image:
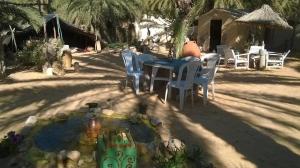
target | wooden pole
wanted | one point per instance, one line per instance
(13, 38)
(45, 30)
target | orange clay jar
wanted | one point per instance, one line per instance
(191, 48)
(93, 128)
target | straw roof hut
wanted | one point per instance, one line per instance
(219, 26)
(265, 16)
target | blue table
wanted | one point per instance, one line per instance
(172, 65)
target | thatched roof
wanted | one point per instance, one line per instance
(235, 13)
(265, 16)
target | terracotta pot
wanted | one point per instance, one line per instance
(191, 49)
(93, 128)
(67, 59)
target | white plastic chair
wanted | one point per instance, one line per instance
(275, 60)
(128, 58)
(255, 49)
(221, 51)
(190, 58)
(183, 85)
(254, 54)
(207, 74)
(239, 60)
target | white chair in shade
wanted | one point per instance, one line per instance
(254, 54)
(221, 51)
(255, 49)
(275, 60)
(131, 72)
(140, 59)
(207, 74)
(239, 60)
(187, 70)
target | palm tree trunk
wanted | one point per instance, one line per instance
(98, 40)
(2, 65)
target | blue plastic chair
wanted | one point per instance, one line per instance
(207, 74)
(131, 70)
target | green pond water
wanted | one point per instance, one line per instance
(68, 134)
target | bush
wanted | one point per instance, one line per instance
(116, 45)
(9, 144)
(32, 54)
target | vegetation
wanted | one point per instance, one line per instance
(112, 21)
(32, 54)
(9, 144)
(104, 18)
(17, 14)
(184, 12)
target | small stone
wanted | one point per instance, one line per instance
(31, 121)
(76, 67)
(174, 145)
(108, 112)
(61, 116)
(74, 155)
(80, 162)
(62, 155)
(49, 71)
(155, 121)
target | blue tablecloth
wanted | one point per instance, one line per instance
(175, 63)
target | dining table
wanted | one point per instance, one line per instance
(171, 65)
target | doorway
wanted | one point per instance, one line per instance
(215, 34)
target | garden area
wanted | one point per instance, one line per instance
(82, 87)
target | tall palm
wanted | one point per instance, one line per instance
(184, 12)
(99, 16)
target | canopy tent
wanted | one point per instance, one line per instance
(68, 33)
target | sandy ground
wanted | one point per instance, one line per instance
(254, 122)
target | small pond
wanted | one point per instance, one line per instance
(66, 134)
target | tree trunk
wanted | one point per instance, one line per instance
(98, 40)
(2, 65)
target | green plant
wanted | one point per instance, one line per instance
(32, 54)
(175, 159)
(9, 144)
(116, 45)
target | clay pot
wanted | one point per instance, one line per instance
(67, 59)
(93, 128)
(191, 49)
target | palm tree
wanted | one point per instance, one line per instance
(184, 12)
(99, 16)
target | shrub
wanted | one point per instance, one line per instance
(32, 54)
(9, 144)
